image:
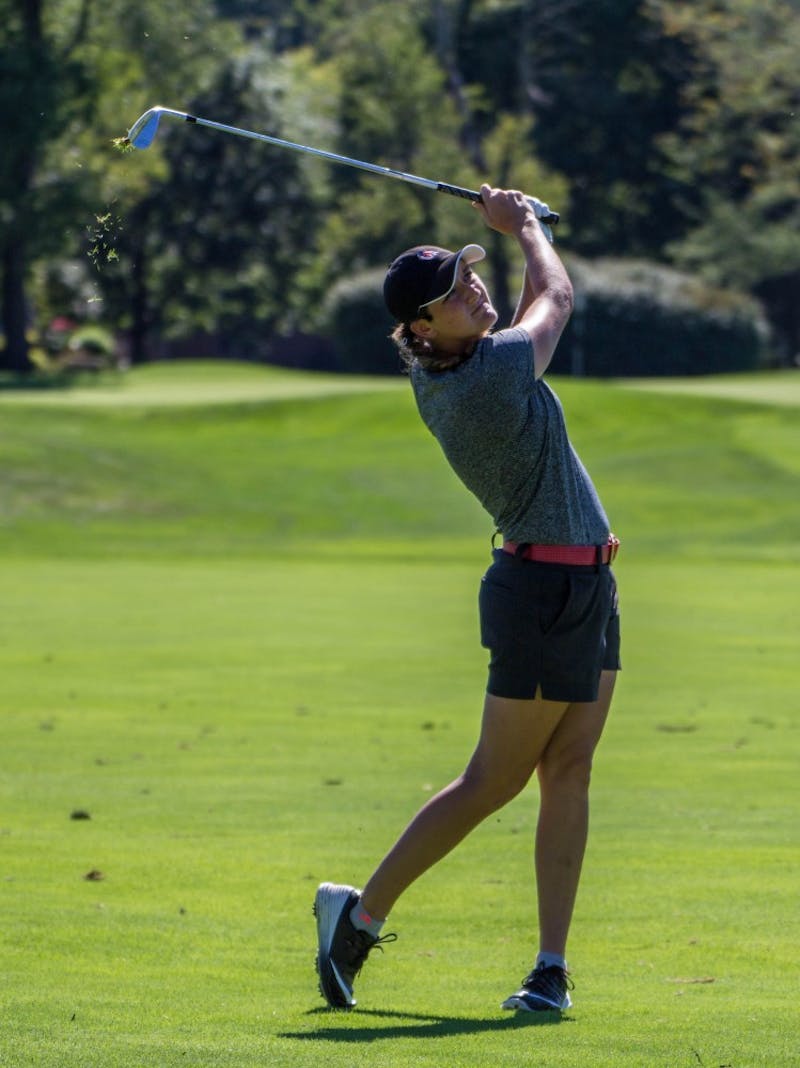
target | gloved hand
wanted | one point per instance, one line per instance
(541, 209)
(542, 212)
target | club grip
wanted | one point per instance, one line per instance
(459, 191)
(550, 219)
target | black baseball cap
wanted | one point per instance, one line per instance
(422, 275)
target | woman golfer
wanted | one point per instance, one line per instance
(548, 603)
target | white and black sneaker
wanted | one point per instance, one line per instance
(343, 948)
(546, 989)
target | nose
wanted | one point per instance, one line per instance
(473, 286)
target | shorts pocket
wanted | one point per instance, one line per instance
(554, 599)
(498, 606)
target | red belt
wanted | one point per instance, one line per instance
(588, 555)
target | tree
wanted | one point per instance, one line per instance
(499, 144)
(428, 122)
(213, 245)
(601, 81)
(44, 88)
(380, 113)
(674, 122)
(68, 67)
(737, 149)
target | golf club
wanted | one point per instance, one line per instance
(144, 130)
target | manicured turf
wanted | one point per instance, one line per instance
(242, 638)
(777, 387)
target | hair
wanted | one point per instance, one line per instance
(410, 346)
(415, 349)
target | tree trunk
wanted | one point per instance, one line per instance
(450, 21)
(501, 264)
(31, 11)
(15, 355)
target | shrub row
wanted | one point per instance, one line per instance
(631, 319)
(641, 319)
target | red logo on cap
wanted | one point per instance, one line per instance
(426, 254)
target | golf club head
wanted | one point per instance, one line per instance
(143, 131)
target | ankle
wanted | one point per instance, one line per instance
(362, 920)
(551, 960)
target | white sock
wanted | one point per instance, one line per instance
(362, 921)
(550, 960)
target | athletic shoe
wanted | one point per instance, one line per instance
(546, 989)
(343, 948)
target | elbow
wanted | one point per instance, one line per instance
(564, 303)
(564, 298)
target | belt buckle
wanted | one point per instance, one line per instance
(613, 548)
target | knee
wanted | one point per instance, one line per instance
(495, 787)
(570, 769)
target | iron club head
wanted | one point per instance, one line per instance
(144, 130)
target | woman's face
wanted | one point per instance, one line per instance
(462, 317)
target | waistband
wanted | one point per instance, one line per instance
(588, 555)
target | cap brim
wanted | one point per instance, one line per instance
(469, 254)
(472, 254)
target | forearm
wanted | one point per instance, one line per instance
(526, 298)
(546, 301)
(545, 274)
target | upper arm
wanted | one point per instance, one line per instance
(544, 321)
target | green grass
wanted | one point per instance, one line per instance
(696, 474)
(242, 636)
(777, 387)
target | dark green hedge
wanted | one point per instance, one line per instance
(640, 319)
(358, 325)
(631, 319)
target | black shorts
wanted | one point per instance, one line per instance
(549, 626)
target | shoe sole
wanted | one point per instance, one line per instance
(329, 902)
(519, 1004)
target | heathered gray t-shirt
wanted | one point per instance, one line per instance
(503, 433)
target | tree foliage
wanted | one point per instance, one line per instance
(660, 129)
(215, 243)
(737, 149)
(67, 67)
(44, 88)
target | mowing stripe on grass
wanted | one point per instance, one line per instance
(195, 384)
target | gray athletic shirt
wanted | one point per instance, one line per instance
(503, 433)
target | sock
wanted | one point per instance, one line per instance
(550, 960)
(362, 921)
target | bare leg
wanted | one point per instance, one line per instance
(564, 772)
(514, 735)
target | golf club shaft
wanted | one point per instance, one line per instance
(144, 129)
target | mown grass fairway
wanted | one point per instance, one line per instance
(241, 635)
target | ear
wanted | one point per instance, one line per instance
(423, 328)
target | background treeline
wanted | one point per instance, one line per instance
(666, 132)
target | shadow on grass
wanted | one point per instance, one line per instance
(415, 1025)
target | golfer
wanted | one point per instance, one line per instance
(548, 602)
